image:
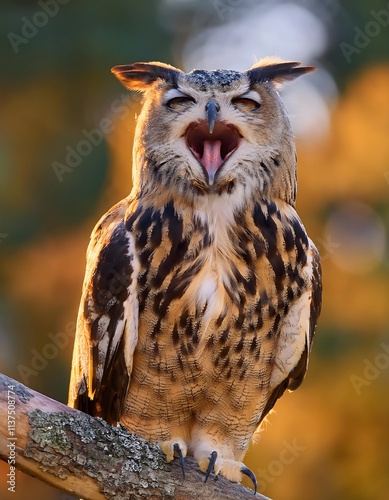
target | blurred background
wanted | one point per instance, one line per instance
(65, 158)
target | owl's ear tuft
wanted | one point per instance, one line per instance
(277, 71)
(139, 76)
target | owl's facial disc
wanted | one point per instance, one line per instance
(212, 150)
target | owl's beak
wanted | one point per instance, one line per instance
(212, 108)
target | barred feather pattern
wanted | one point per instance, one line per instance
(210, 318)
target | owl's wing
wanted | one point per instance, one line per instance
(107, 325)
(296, 335)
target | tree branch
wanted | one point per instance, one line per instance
(87, 457)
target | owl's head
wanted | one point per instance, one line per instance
(207, 133)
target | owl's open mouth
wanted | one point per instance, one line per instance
(212, 150)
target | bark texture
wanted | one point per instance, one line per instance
(85, 456)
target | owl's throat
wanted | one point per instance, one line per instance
(212, 150)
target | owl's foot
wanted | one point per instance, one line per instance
(230, 469)
(175, 447)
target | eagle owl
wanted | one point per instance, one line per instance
(202, 289)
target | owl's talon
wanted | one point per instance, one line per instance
(177, 449)
(245, 470)
(211, 465)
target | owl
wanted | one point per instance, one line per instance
(202, 289)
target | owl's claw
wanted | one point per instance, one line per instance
(177, 449)
(245, 470)
(212, 461)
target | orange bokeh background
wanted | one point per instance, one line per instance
(330, 439)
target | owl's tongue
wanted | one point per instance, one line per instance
(211, 158)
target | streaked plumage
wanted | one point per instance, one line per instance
(202, 288)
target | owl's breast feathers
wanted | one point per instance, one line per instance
(182, 312)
